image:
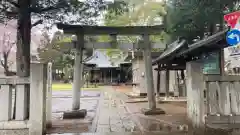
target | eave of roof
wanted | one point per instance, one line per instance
(140, 54)
(173, 48)
(207, 42)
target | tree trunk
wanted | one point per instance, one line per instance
(23, 44)
(23, 38)
(5, 65)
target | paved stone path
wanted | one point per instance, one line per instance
(62, 102)
(112, 115)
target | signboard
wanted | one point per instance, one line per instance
(232, 18)
(234, 50)
(233, 37)
(211, 64)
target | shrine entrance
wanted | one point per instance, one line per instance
(145, 45)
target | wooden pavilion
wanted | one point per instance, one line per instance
(212, 96)
(102, 71)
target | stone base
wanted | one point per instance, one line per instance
(156, 111)
(14, 132)
(78, 114)
(135, 95)
(143, 94)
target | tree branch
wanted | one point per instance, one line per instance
(38, 10)
(2, 63)
(13, 3)
(50, 8)
(11, 14)
(36, 23)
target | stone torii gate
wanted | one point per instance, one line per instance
(145, 31)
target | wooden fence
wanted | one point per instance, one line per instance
(222, 99)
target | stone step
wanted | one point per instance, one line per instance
(125, 133)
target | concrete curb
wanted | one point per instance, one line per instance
(14, 125)
(96, 118)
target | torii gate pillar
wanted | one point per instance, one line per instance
(77, 81)
(77, 77)
(149, 79)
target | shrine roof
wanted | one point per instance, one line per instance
(197, 49)
(206, 45)
(169, 51)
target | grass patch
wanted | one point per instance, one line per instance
(68, 87)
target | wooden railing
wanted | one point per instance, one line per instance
(222, 99)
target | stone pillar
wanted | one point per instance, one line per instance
(184, 89)
(149, 78)
(173, 83)
(141, 75)
(49, 94)
(21, 101)
(77, 73)
(148, 72)
(163, 82)
(6, 102)
(155, 75)
(38, 88)
(195, 98)
(82, 80)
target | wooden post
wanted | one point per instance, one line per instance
(167, 82)
(38, 88)
(222, 62)
(158, 80)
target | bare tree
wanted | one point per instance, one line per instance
(6, 48)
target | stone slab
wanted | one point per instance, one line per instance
(137, 100)
(156, 111)
(78, 114)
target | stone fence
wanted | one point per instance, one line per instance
(30, 106)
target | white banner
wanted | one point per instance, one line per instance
(234, 50)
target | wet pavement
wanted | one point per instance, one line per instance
(110, 115)
(68, 94)
(62, 102)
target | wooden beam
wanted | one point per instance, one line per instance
(106, 30)
(181, 67)
(121, 46)
(215, 78)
